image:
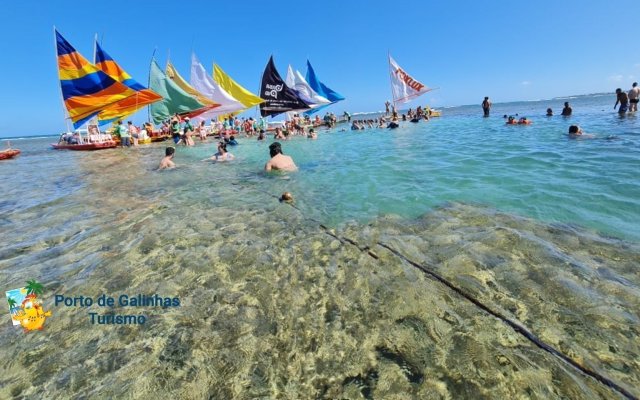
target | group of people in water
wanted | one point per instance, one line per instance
(278, 160)
(628, 102)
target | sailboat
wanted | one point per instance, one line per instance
(321, 89)
(86, 91)
(296, 82)
(404, 87)
(207, 86)
(278, 97)
(232, 87)
(175, 100)
(143, 96)
(8, 152)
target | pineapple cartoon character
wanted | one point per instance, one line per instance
(32, 315)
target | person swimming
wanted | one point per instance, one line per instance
(576, 132)
(222, 154)
(549, 112)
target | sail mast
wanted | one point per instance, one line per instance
(65, 113)
(149, 83)
(393, 97)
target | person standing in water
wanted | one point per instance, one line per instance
(623, 99)
(486, 106)
(566, 111)
(386, 107)
(634, 95)
(278, 160)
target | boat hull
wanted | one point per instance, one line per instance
(7, 154)
(85, 147)
(147, 140)
(160, 138)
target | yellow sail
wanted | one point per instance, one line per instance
(173, 74)
(232, 87)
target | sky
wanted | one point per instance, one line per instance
(507, 50)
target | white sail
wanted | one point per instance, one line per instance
(202, 82)
(296, 81)
(404, 87)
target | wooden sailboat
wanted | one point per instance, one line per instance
(9, 152)
(86, 91)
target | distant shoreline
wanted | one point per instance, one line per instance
(561, 98)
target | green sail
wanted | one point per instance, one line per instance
(175, 100)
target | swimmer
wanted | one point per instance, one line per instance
(278, 160)
(167, 162)
(549, 112)
(222, 154)
(312, 134)
(575, 132)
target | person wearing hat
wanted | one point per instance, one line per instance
(188, 130)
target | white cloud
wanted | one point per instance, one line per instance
(615, 78)
(525, 83)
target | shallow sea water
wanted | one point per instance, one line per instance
(539, 228)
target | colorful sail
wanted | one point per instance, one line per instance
(86, 90)
(130, 105)
(203, 83)
(278, 97)
(320, 87)
(234, 89)
(174, 99)
(173, 74)
(403, 86)
(296, 82)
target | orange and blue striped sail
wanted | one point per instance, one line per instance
(143, 96)
(86, 90)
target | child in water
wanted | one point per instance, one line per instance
(575, 132)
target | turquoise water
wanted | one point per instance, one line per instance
(539, 228)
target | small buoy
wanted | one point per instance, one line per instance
(286, 196)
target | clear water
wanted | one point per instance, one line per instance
(537, 226)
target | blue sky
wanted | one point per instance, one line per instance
(508, 50)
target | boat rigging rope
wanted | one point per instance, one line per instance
(430, 272)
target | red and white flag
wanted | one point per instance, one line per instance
(404, 87)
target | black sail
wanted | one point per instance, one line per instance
(278, 97)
